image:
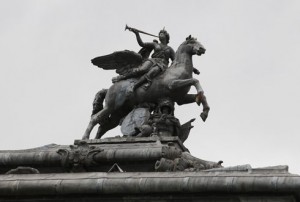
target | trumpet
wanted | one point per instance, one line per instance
(130, 29)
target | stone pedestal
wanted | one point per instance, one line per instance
(131, 169)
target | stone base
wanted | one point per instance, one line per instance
(123, 169)
(130, 154)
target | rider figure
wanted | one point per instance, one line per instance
(153, 66)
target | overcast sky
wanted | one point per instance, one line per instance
(250, 72)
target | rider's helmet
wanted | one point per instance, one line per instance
(167, 35)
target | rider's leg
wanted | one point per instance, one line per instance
(152, 73)
(143, 69)
(135, 72)
(145, 66)
(140, 82)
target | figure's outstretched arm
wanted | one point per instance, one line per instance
(140, 41)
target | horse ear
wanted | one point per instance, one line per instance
(189, 37)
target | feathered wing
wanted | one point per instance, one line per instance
(121, 61)
(145, 52)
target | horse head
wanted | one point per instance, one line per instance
(192, 46)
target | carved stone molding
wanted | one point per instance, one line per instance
(78, 157)
(174, 159)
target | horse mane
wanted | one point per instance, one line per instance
(188, 40)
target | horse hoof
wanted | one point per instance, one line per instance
(203, 116)
(85, 137)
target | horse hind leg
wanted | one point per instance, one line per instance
(97, 105)
(98, 101)
(108, 125)
(96, 118)
(112, 122)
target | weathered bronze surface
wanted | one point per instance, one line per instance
(143, 82)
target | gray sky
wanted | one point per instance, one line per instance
(250, 72)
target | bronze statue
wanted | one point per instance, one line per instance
(173, 82)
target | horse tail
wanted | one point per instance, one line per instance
(98, 101)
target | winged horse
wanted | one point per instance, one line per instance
(174, 83)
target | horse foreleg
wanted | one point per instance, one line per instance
(199, 98)
(187, 99)
(96, 118)
(175, 84)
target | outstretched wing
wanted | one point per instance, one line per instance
(121, 61)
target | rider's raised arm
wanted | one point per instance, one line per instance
(141, 43)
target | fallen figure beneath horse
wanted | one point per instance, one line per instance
(174, 83)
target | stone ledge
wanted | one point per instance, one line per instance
(142, 183)
(129, 139)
